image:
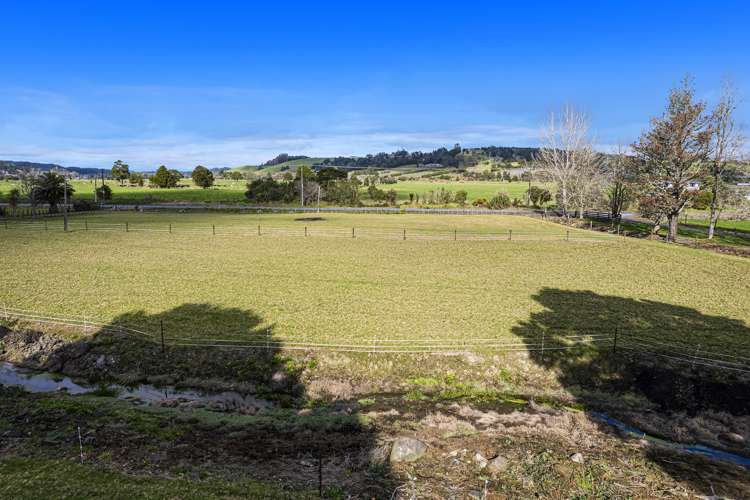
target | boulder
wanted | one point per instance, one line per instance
(498, 465)
(407, 449)
(577, 458)
(480, 460)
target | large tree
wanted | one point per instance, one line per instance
(121, 171)
(164, 178)
(203, 177)
(674, 154)
(727, 141)
(567, 159)
(50, 188)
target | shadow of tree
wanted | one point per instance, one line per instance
(284, 442)
(673, 383)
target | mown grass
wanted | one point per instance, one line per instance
(227, 191)
(474, 189)
(41, 478)
(224, 191)
(731, 225)
(343, 289)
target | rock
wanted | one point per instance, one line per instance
(732, 437)
(480, 460)
(279, 380)
(577, 458)
(498, 465)
(406, 449)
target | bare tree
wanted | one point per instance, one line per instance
(619, 190)
(567, 158)
(727, 143)
(673, 155)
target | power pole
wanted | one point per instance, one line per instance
(95, 200)
(302, 185)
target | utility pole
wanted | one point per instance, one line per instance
(65, 204)
(95, 189)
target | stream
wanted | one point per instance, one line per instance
(33, 381)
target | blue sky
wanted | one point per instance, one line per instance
(232, 83)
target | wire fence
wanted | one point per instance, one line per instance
(299, 230)
(551, 342)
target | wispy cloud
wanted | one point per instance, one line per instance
(219, 127)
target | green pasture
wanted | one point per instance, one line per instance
(474, 189)
(227, 191)
(343, 290)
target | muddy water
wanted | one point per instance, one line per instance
(33, 381)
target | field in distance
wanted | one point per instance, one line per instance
(342, 290)
(228, 191)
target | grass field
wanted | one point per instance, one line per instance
(226, 191)
(474, 189)
(732, 225)
(343, 289)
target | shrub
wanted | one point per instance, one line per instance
(104, 193)
(83, 206)
(499, 201)
(479, 202)
(460, 197)
(203, 177)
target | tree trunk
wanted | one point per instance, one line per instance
(714, 214)
(673, 221)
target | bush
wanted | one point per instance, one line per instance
(203, 177)
(460, 197)
(538, 196)
(104, 193)
(83, 206)
(499, 201)
(268, 190)
(479, 202)
(702, 200)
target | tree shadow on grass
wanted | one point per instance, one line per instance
(660, 355)
(283, 442)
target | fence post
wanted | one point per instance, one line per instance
(126, 226)
(614, 346)
(6, 224)
(213, 229)
(352, 232)
(86, 224)
(404, 234)
(567, 234)
(305, 230)
(170, 228)
(162, 335)
(510, 234)
(455, 235)
(45, 224)
(542, 342)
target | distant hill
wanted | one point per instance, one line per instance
(443, 157)
(12, 167)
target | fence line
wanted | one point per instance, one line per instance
(79, 224)
(541, 344)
